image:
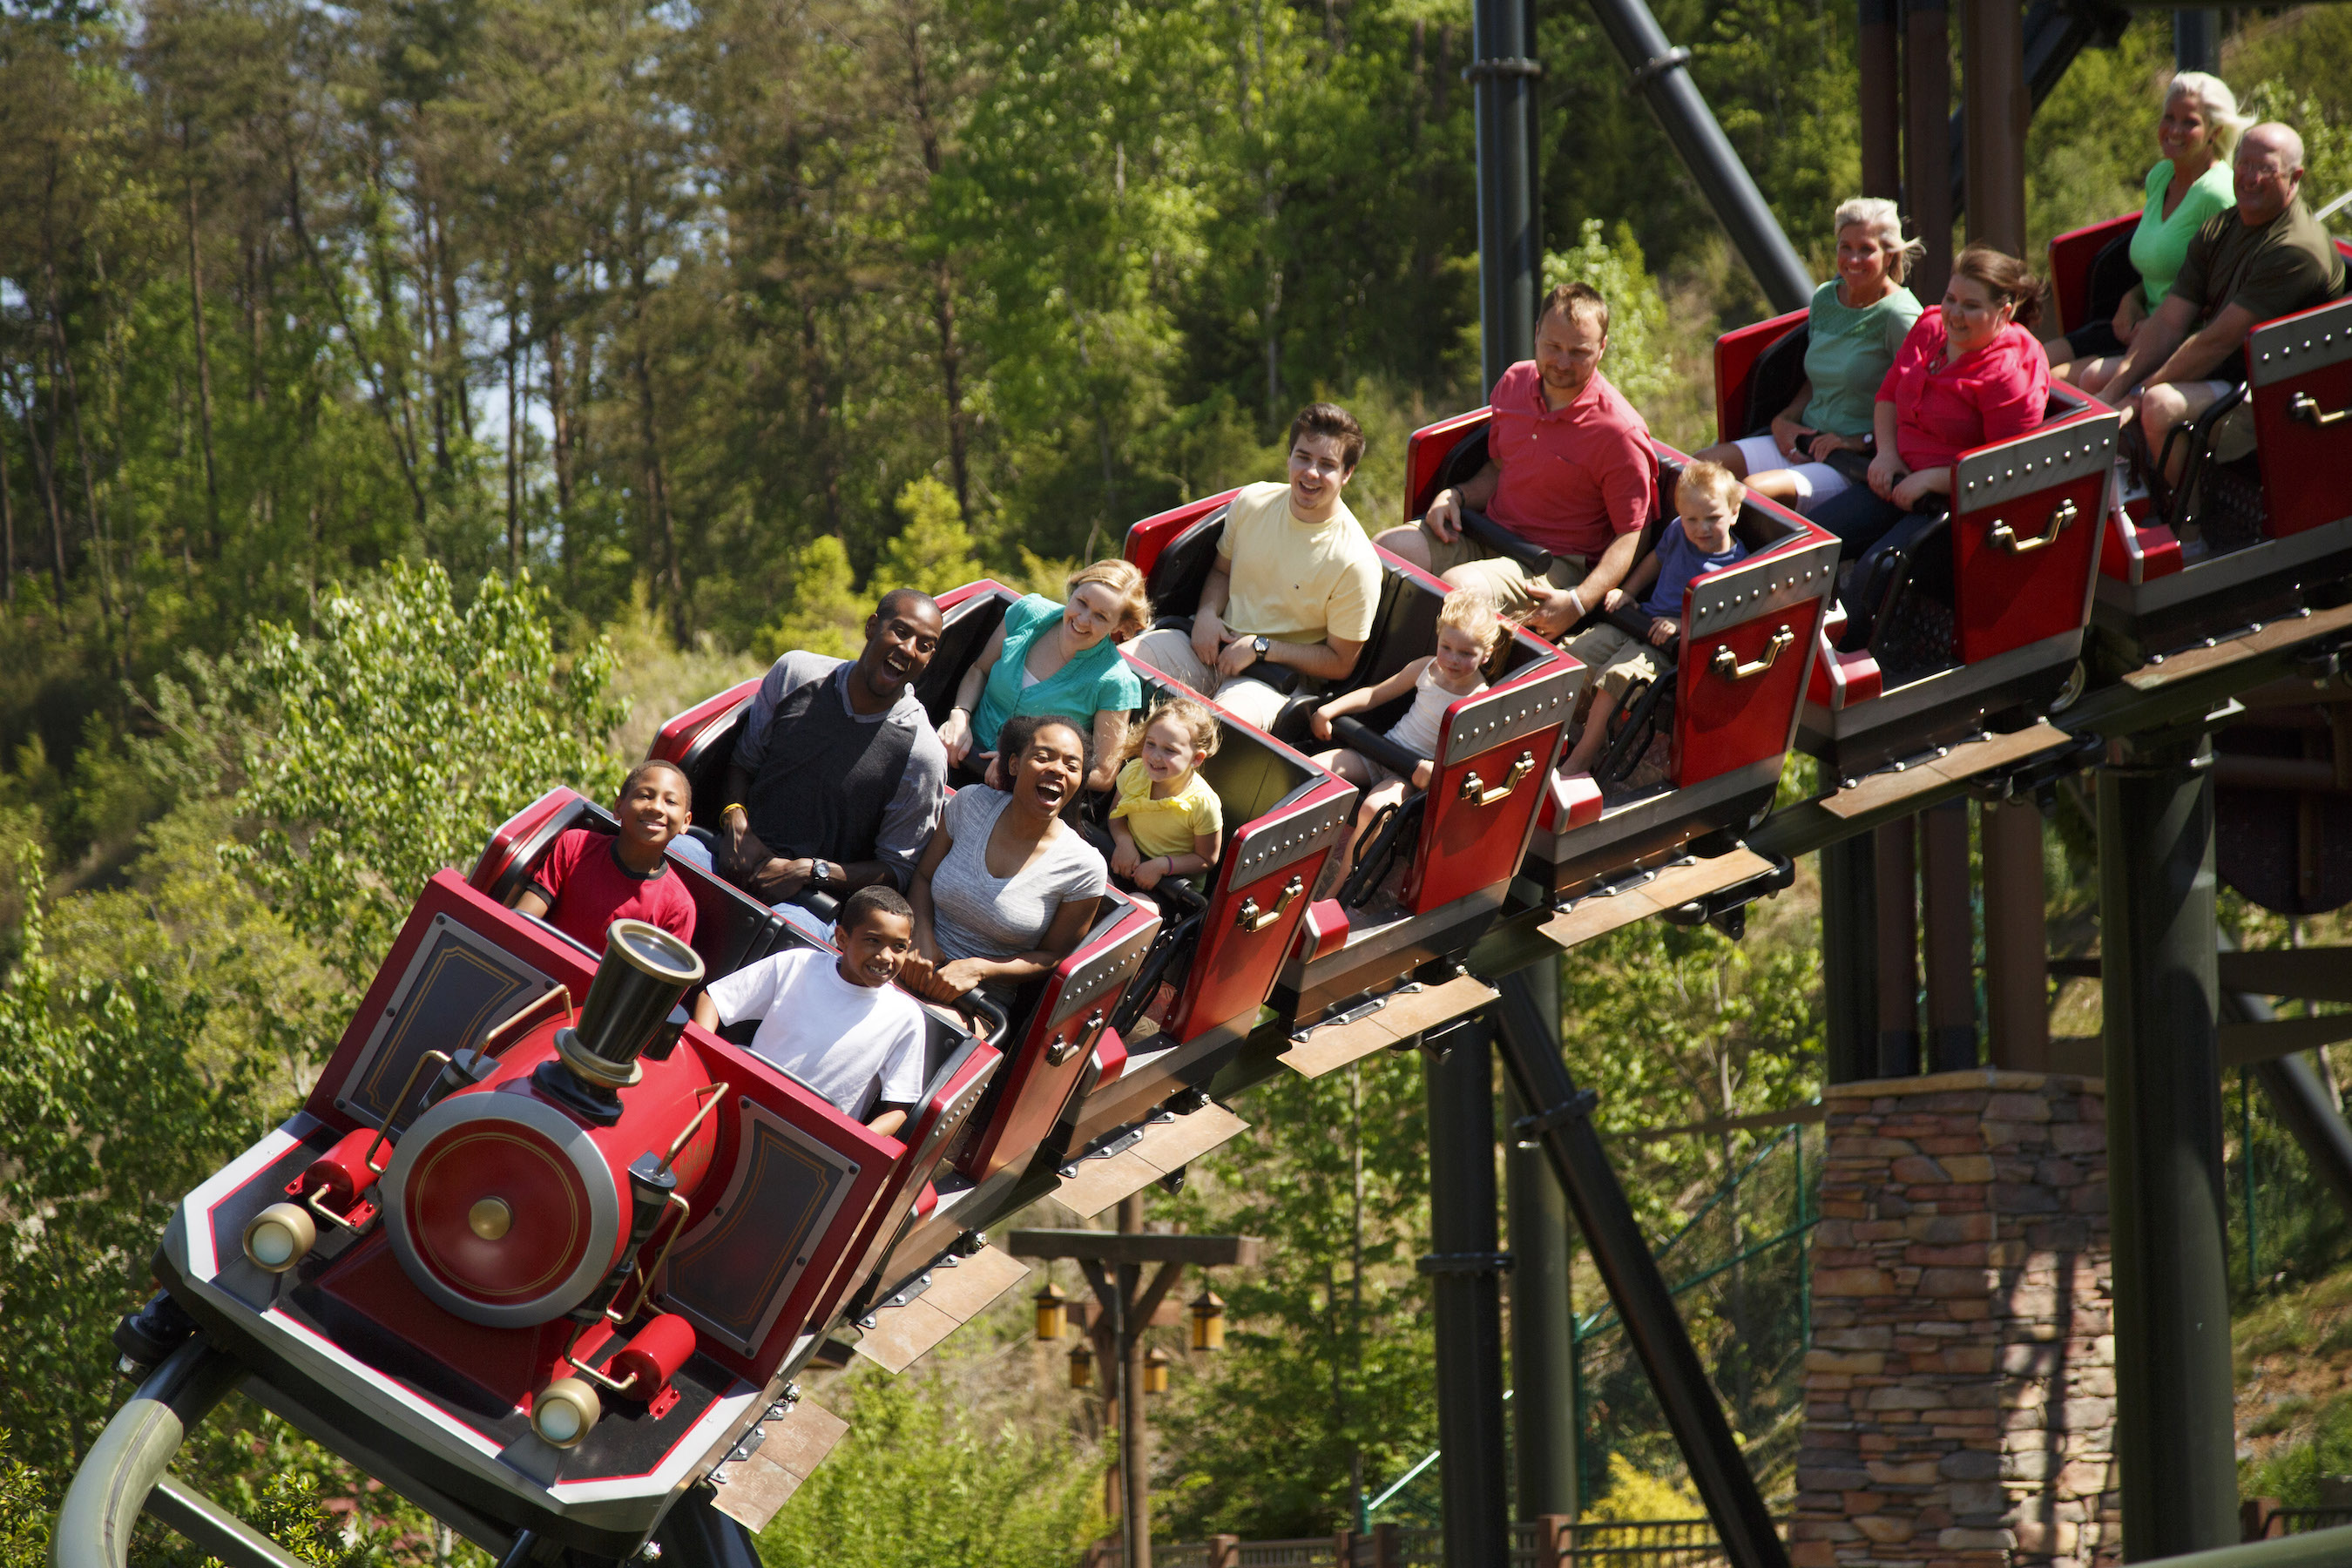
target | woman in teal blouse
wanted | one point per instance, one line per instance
(2191, 183)
(1061, 659)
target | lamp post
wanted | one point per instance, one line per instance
(1113, 1261)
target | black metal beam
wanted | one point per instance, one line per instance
(2054, 34)
(1561, 1125)
(1543, 1371)
(1849, 958)
(2175, 1433)
(1464, 1264)
(1662, 72)
(1510, 243)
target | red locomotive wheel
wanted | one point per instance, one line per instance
(498, 1212)
(501, 1208)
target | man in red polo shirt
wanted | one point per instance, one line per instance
(1569, 467)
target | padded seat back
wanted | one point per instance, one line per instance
(1183, 567)
(732, 927)
(1772, 381)
(966, 625)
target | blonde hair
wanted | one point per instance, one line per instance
(1712, 479)
(2224, 123)
(1472, 612)
(1200, 725)
(1884, 222)
(1122, 578)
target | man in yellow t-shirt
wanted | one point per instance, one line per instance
(1295, 583)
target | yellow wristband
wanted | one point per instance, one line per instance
(736, 807)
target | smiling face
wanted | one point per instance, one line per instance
(1568, 346)
(1972, 318)
(901, 638)
(1047, 776)
(1167, 749)
(1459, 654)
(872, 951)
(2182, 135)
(2268, 172)
(1091, 614)
(1318, 468)
(1862, 262)
(652, 809)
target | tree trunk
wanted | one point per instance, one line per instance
(7, 529)
(943, 310)
(819, 417)
(45, 475)
(204, 356)
(403, 446)
(514, 500)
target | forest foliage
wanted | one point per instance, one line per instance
(374, 378)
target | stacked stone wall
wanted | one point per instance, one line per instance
(1960, 1384)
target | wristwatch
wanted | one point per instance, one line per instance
(820, 870)
(1258, 645)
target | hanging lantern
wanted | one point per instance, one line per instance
(1082, 1365)
(1155, 1369)
(1053, 1312)
(1208, 1321)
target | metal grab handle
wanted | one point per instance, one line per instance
(1475, 790)
(2303, 406)
(1726, 663)
(1251, 919)
(1063, 1049)
(2006, 537)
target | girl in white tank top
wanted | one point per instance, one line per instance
(1469, 630)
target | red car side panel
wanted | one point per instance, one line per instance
(1724, 720)
(2012, 588)
(2302, 367)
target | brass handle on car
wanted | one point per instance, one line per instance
(1475, 790)
(1251, 919)
(2006, 537)
(1728, 665)
(2303, 406)
(1063, 1049)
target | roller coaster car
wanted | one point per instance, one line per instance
(2250, 536)
(1694, 757)
(1457, 844)
(1954, 622)
(1052, 1052)
(538, 1252)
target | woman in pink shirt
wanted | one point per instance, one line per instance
(1967, 376)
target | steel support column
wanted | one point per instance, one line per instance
(1465, 1265)
(1561, 1125)
(1543, 1372)
(1663, 74)
(1993, 95)
(2197, 40)
(1928, 141)
(2016, 936)
(2175, 1440)
(1510, 245)
(1894, 853)
(1850, 957)
(1134, 1437)
(1879, 57)
(1947, 897)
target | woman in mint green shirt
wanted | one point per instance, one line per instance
(1819, 445)
(1061, 659)
(2191, 183)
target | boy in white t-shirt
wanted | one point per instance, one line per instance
(839, 1028)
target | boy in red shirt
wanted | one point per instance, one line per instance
(590, 880)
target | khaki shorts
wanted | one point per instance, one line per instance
(1170, 651)
(1620, 657)
(1504, 580)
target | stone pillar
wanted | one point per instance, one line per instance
(1959, 1389)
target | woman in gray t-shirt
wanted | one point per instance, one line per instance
(1006, 889)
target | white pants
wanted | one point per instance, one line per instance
(693, 851)
(1171, 652)
(1816, 482)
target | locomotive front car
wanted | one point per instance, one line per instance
(1022, 1130)
(1694, 758)
(1958, 622)
(2250, 537)
(536, 1250)
(1439, 868)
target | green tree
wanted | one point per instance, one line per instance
(934, 551)
(924, 1479)
(1638, 363)
(824, 610)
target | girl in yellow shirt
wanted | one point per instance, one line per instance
(1165, 820)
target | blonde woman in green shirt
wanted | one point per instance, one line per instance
(1819, 445)
(2191, 183)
